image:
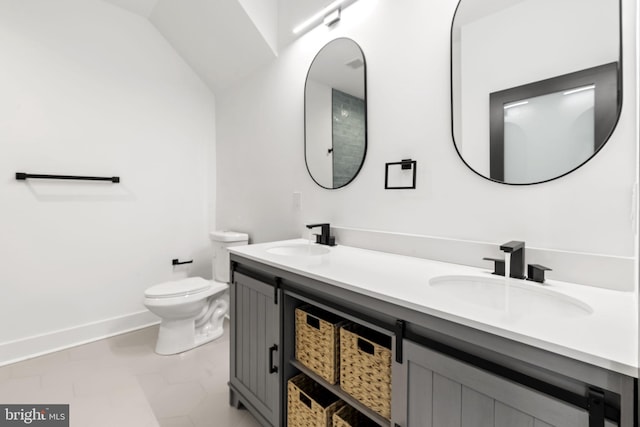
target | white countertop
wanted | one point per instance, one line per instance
(606, 337)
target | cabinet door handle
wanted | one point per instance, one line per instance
(272, 369)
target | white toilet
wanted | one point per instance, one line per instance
(192, 310)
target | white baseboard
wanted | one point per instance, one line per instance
(38, 345)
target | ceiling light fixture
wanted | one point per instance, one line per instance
(515, 104)
(329, 15)
(580, 89)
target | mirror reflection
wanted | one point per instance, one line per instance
(336, 114)
(535, 85)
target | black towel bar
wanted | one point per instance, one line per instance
(175, 261)
(21, 176)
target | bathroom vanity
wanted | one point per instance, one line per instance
(468, 348)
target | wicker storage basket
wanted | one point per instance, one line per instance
(365, 367)
(318, 341)
(349, 417)
(309, 404)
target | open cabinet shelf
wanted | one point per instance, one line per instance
(335, 389)
(292, 366)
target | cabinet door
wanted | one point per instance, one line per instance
(434, 390)
(255, 346)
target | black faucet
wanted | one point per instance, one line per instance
(325, 237)
(516, 266)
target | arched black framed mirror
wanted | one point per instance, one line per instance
(335, 114)
(535, 85)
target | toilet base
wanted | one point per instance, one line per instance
(210, 336)
(178, 336)
(191, 321)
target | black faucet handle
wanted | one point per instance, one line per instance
(535, 272)
(498, 266)
(330, 240)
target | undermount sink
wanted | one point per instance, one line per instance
(299, 250)
(512, 296)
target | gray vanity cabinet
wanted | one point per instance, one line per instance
(470, 381)
(431, 389)
(255, 348)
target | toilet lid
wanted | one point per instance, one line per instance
(183, 287)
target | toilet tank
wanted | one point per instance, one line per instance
(222, 240)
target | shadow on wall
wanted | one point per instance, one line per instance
(57, 191)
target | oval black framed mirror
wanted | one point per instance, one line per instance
(535, 85)
(335, 114)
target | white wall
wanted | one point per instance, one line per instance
(222, 40)
(260, 147)
(90, 89)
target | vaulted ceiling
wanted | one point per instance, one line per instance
(225, 40)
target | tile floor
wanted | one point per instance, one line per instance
(121, 382)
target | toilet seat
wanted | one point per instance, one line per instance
(180, 288)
